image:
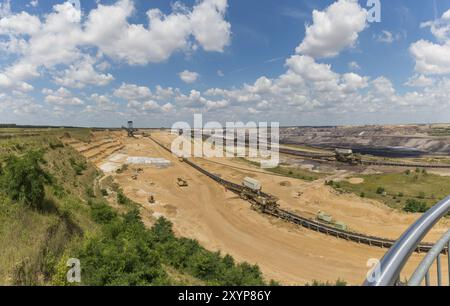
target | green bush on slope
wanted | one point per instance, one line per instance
(127, 253)
(23, 179)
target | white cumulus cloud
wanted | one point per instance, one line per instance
(430, 57)
(188, 76)
(334, 29)
(62, 37)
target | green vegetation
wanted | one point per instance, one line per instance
(296, 173)
(414, 206)
(51, 210)
(412, 191)
(339, 283)
(102, 213)
(336, 185)
(283, 170)
(42, 205)
(381, 190)
(23, 179)
(78, 166)
(122, 199)
(127, 253)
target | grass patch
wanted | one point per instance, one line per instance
(396, 189)
(296, 173)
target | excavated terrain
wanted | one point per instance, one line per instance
(221, 221)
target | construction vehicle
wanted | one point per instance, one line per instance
(347, 156)
(182, 183)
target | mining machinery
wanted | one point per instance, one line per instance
(347, 156)
(252, 191)
(130, 129)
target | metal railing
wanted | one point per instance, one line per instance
(392, 264)
(423, 271)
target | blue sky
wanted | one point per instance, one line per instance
(378, 72)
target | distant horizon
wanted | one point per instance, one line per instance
(13, 125)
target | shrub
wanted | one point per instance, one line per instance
(121, 198)
(79, 167)
(121, 256)
(414, 206)
(126, 253)
(380, 190)
(55, 144)
(58, 191)
(23, 179)
(102, 213)
(90, 192)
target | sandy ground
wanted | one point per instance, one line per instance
(221, 221)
